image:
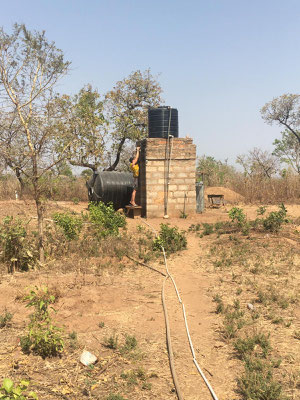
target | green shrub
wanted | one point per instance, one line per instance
(237, 215)
(106, 219)
(259, 385)
(247, 345)
(10, 391)
(130, 344)
(239, 218)
(220, 305)
(19, 251)
(43, 337)
(111, 342)
(5, 318)
(274, 221)
(195, 228)
(261, 210)
(171, 239)
(134, 377)
(207, 229)
(71, 225)
(40, 299)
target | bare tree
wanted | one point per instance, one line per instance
(258, 163)
(30, 66)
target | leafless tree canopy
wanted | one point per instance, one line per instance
(259, 163)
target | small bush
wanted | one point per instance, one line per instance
(70, 224)
(19, 251)
(207, 229)
(274, 221)
(259, 385)
(130, 343)
(237, 215)
(171, 239)
(261, 210)
(246, 346)
(195, 228)
(43, 337)
(238, 218)
(111, 342)
(133, 377)
(130, 348)
(106, 219)
(220, 305)
(5, 319)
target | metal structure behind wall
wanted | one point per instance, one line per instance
(199, 197)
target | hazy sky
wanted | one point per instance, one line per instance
(218, 61)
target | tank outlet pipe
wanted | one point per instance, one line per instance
(168, 154)
(170, 139)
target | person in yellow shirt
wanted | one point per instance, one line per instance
(134, 167)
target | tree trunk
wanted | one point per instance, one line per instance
(40, 215)
(114, 165)
(40, 210)
(93, 167)
(20, 179)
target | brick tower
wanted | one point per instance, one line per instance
(167, 177)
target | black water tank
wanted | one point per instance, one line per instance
(111, 186)
(159, 122)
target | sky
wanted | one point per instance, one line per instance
(218, 61)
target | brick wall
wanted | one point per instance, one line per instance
(153, 177)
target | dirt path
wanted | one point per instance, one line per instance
(194, 286)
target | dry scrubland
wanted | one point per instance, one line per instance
(238, 189)
(239, 283)
(60, 188)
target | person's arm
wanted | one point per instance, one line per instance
(135, 160)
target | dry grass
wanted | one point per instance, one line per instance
(263, 271)
(60, 188)
(271, 191)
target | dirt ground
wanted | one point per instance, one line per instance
(119, 302)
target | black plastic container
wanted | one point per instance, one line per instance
(160, 119)
(111, 187)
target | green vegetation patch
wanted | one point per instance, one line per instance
(170, 238)
(106, 219)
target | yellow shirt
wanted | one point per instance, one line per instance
(135, 169)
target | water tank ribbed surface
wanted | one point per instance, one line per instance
(159, 122)
(111, 186)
